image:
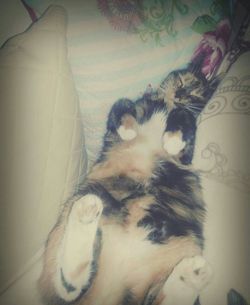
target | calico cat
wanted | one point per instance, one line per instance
(134, 232)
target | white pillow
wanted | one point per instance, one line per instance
(43, 145)
(223, 142)
(222, 153)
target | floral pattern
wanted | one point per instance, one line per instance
(159, 17)
(231, 98)
(122, 15)
(148, 18)
(219, 171)
(239, 90)
(155, 19)
(213, 48)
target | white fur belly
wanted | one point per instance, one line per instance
(123, 264)
(128, 262)
(142, 153)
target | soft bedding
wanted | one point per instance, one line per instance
(43, 141)
(222, 153)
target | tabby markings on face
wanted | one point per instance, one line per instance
(184, 88)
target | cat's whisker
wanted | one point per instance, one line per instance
(194, 108)
(191, 110)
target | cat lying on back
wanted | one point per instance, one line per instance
(134, 232)
(186, 93)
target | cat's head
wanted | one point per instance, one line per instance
(187, 88)
(184, 86)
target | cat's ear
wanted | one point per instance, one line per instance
(195, 65)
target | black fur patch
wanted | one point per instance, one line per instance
(162, 223)
(69, 288)
(121, 107)
(111, 205)
(183, 120)
(129, 299)
(172, 186)
(126, 188)
(146, 107)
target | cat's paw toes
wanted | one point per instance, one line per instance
(128, 129)
(87, 209)
(195, 272)
(126, 134)
(173, 143)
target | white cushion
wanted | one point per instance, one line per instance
(223, 142)
(43, 141)
(222, 154)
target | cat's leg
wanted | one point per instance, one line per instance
(186, 281)
(72, 251)
(122, 119)
(179, 138)
(75, 258)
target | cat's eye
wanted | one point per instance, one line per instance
(196, 83)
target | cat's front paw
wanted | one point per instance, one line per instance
(173, 143)
(128, 129)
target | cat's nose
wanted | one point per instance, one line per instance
(180, 93)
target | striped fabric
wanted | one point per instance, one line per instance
(108, 64)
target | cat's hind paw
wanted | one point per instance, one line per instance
(87, 209)
(77, 248)
(195, 272)
(173, 143)
(186, 281)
